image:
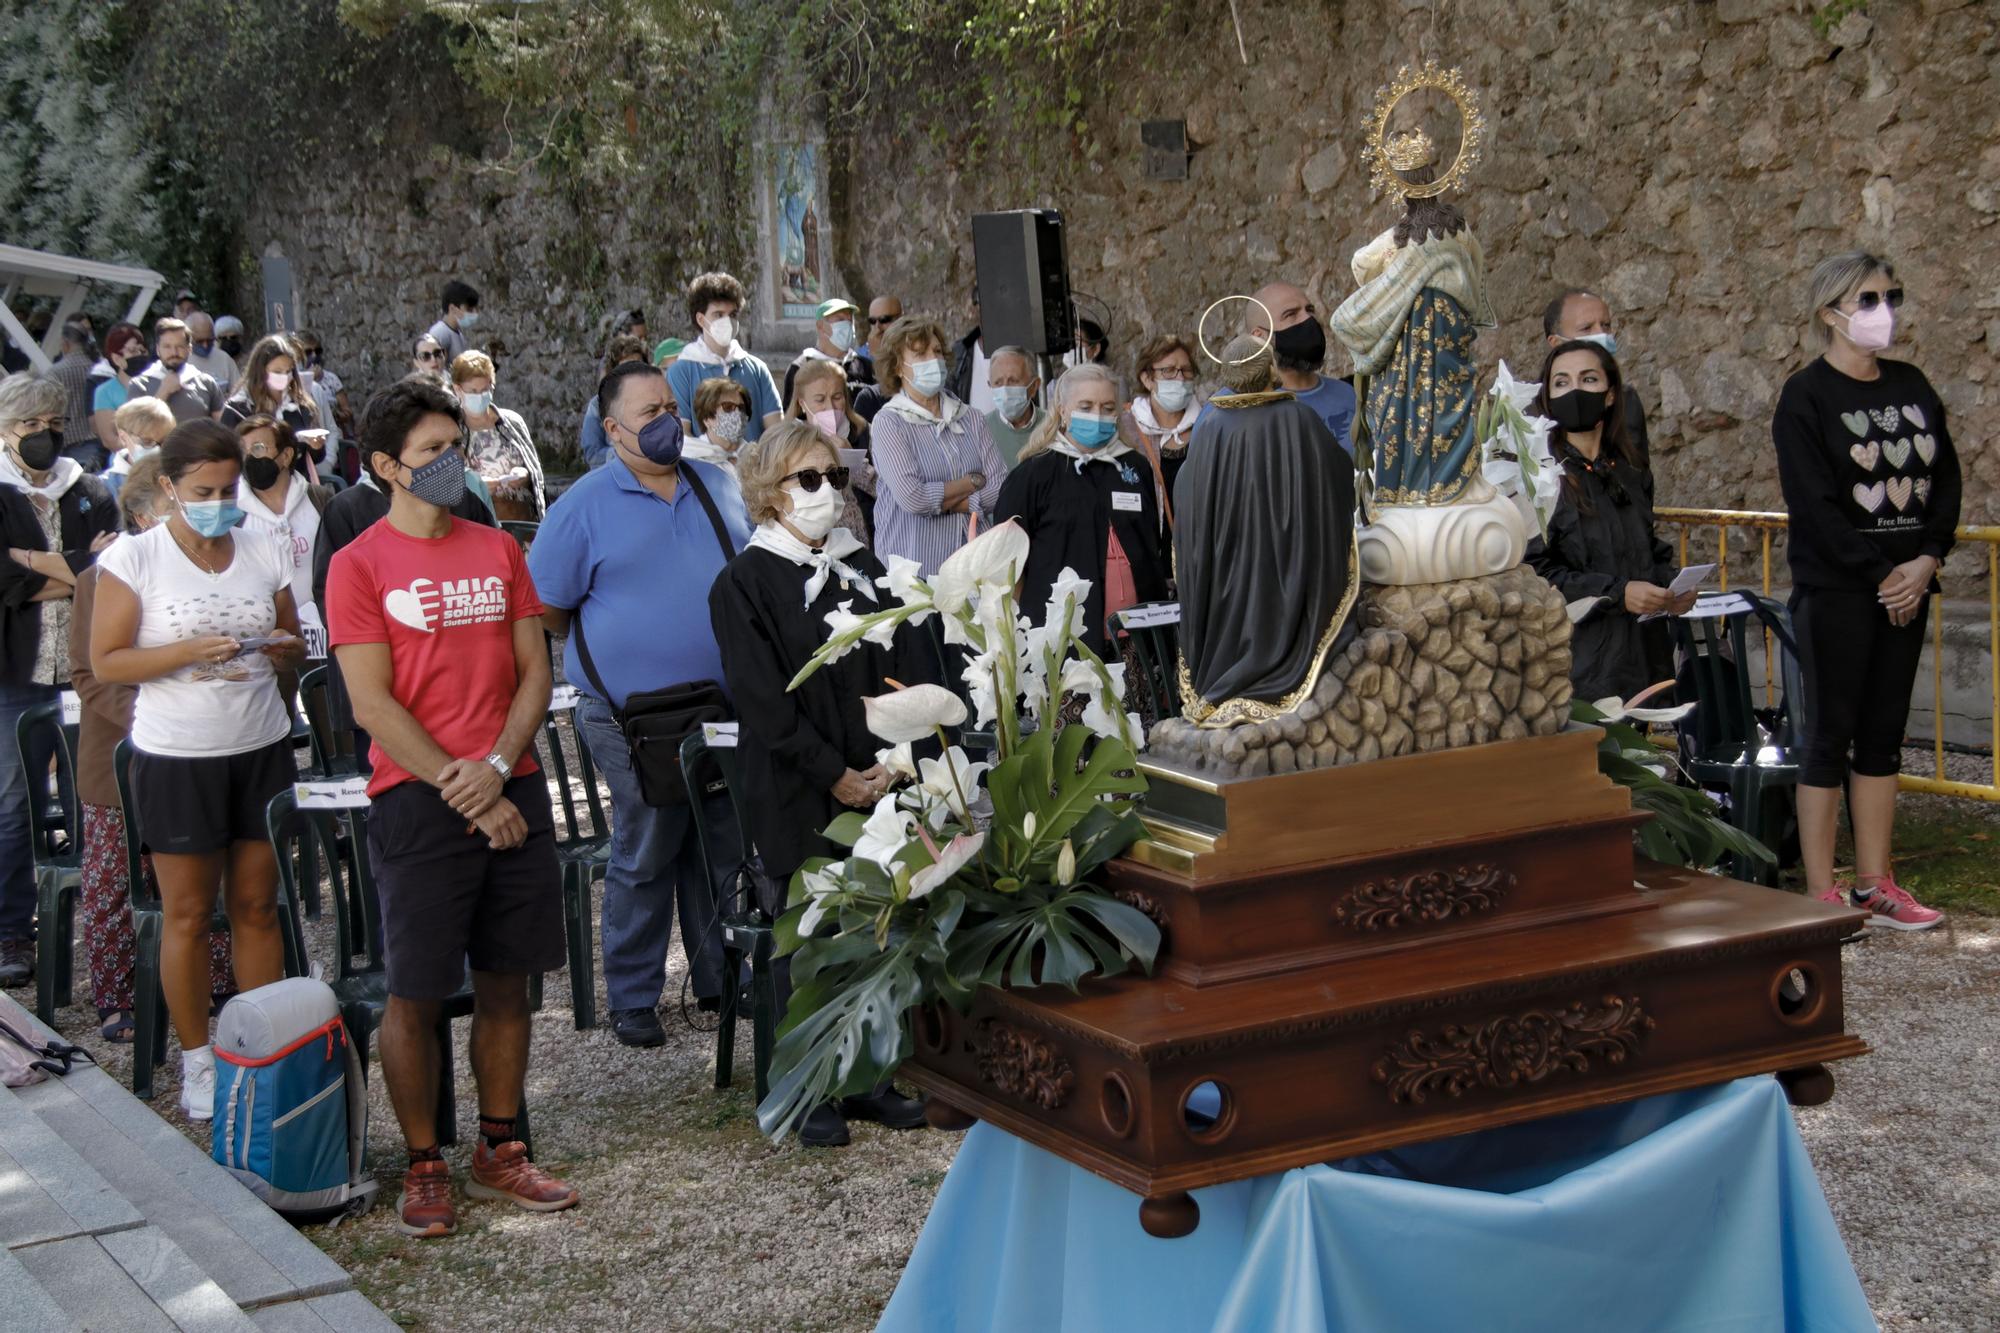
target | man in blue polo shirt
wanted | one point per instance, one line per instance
(623, 563)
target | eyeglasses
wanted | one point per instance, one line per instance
(809, 478)
(883, 321)
(1869, 300)
(1171, 373)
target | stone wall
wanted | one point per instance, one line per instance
(1692, 160)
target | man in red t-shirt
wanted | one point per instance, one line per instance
(436, 626)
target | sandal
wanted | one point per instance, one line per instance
(118, 1027)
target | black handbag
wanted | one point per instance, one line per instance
(655, 722)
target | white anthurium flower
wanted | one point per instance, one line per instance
(938, 783)
(1071, 590)
(888, 831)
(905, 581)
(1512, 391)
(953, 857)
(1615, 710)
(821, 885)
(897, 760)
(994, 558)
(914, 713)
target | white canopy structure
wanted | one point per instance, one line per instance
(37, 273)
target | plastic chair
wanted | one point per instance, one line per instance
(522, 530)
(360, 981)
(149, 1001)
(584, 854)
(748, 933)
(1728, 742)
(1156, 644)
(55, 832)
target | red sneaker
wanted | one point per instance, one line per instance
(425, 1209)
(1891, 905)
(506, 1173)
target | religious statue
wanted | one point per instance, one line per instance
(1263, 547)
(1410, 325)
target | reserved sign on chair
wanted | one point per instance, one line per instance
(332, 794)
(719, 735)
(72, 709)
(562, 698)
(1146, 617)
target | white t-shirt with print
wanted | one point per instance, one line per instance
(210, 708)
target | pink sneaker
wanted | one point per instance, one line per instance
(1891, 905)
(1837, 895)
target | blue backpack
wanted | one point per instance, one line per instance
(291, 1110)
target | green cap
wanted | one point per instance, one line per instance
(836, 305)
(668, 347)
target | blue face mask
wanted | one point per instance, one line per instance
(1608, 341)
(660, 440)
(927, 377)
(1087, 431)
(210, 518)
(1011, 399)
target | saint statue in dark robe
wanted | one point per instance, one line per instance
(1263, 548)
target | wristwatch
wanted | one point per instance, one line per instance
(500, 765)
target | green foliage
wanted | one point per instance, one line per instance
(1825, 20)
(1687, 827)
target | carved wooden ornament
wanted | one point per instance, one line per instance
(1423, 897)
(1514, 1049)
(1023, 1065)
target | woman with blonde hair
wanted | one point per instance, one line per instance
(498, 446)
(805, 755)
(1088, 503)
(819, 396)
(1872, 484)
(939, 467)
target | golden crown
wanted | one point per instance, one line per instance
(1388, 155)
(1408, 150)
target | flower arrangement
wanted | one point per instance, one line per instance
(970, 874)
(1514, 449)
(1687, 827)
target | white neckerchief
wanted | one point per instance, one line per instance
(699, 352)
(704, 450)
(909, 409)
(1167, 437)
(1106, 453)
(63, 474)
(814, 354)
(826, 561)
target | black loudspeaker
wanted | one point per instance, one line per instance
(1023, 281)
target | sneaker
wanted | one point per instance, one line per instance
(1837, 895)
(425, 1209)
(1891, 905)
(506, 1173)
(638, 1027)
(198, 1084)
(17, 963)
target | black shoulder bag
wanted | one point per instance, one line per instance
(655, 722)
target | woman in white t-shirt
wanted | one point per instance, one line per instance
(200, 617)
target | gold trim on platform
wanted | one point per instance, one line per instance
(1231, 712)
(1169, 847)
(1161, 773)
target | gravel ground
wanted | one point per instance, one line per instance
(691, 1221)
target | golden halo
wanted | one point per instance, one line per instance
(1472, 131)
(1270, 334)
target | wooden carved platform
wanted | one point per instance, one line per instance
(1360, 958)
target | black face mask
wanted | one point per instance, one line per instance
(1300, 347)
(262, 473)
(233, 346)
(38, 451)
(1579, 409)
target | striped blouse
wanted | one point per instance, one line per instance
(914, 461)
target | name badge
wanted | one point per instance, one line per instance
(1126, 502)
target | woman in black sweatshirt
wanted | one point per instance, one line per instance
(1872, 483)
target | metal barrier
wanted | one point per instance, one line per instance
(1763, 524)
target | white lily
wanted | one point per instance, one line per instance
(944, 779)
(1512, 391)
(905, 582)
(888, 831)
(953, 857)
(912, 714)
(978, 678)
(897, 760)
(1616, 710)
(1070, 592)
(994, 558)
(821, 885)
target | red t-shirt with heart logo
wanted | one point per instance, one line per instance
(446, 606)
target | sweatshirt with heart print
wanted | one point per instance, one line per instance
(1868, 471)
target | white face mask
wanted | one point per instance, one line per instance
(814, 512)
(277, 381)
(927, 377)
(721, 332)
(727, 426)
(1173, 395)
(842, 335)
(136, 448)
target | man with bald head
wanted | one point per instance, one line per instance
(868, 396)
(205, 356)
(1286, 315)
(1581, 315)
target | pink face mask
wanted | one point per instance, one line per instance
(1872, 330)
(832, 422)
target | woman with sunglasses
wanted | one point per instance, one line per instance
(805, 755)
(1872, 483)
(427, 358)
(1602, 548)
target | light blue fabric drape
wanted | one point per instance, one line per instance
(1692, 1211)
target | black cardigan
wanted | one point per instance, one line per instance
(1067, 515)
(793, 746)
(88, 512)
(1594, 548)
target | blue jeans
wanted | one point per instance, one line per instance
(655, 863)
(17, 855)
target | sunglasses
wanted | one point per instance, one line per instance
(1869, 300)
(430, 356)
(810, 478)
(883, 321)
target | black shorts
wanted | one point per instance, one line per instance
(187, 807)
(449, 899)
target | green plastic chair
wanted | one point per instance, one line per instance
(1156, 645)
(360, 981)
(55, 832)
(748, 932)
(584, 852)
(522, 530)
(1728, 743)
